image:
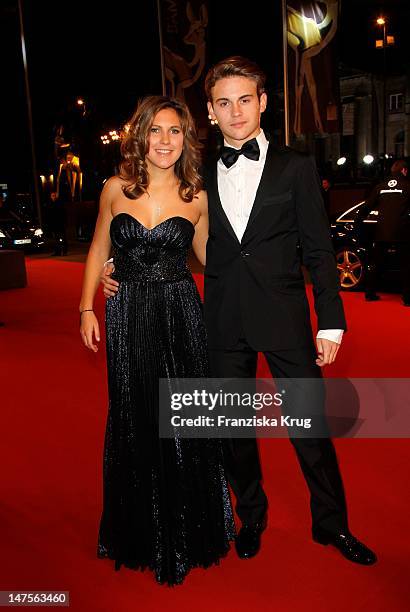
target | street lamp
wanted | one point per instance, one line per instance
(381, 22)
(29, 111)
(388, 41)
(81, 104)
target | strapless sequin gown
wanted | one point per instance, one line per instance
(166, 505)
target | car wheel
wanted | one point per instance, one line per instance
(351, 268)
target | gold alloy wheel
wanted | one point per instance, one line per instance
(350, 268)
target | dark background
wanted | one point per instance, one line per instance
(109, 54)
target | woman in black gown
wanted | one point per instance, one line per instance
(165, 501)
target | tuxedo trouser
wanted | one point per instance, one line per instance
(317, 457)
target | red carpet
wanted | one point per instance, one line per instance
(54, 402)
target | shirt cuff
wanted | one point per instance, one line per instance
(111, 260)
(335, 335)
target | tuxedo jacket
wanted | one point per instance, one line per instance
(254, 288)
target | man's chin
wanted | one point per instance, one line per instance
(240, 135)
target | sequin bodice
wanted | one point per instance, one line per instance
(149, 255)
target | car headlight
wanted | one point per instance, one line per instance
(2, 234)
(38, 232)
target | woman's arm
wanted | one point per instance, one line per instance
(98, 253)
(201, 229)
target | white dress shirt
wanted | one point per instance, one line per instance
(237, 188)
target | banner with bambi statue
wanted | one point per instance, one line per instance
(184, 53)
(311, 66)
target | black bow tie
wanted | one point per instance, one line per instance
(250, 149)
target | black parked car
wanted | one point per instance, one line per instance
(19, 233)
(351, 239)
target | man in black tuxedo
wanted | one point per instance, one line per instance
(266, 218)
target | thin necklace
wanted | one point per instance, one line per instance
(158, 207)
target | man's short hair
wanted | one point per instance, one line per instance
(235, 66)
(398, 166)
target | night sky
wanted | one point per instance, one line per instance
(109, 54)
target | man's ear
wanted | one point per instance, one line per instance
(211, 110)
(263, 102)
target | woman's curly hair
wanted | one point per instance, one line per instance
(135, 146)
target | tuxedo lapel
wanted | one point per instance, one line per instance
(215, 200)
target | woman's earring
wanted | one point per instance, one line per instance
(213, 121)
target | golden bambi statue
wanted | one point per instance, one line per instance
(308, 38)
(71, 165)
(68, 163)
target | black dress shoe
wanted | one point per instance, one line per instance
(372, 297)
(248, 540)
(349, 546)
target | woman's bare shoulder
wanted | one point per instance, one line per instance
(114, 184)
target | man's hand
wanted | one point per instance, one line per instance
(327, 351)
(110, 286)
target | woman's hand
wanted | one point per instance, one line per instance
(88, 328)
